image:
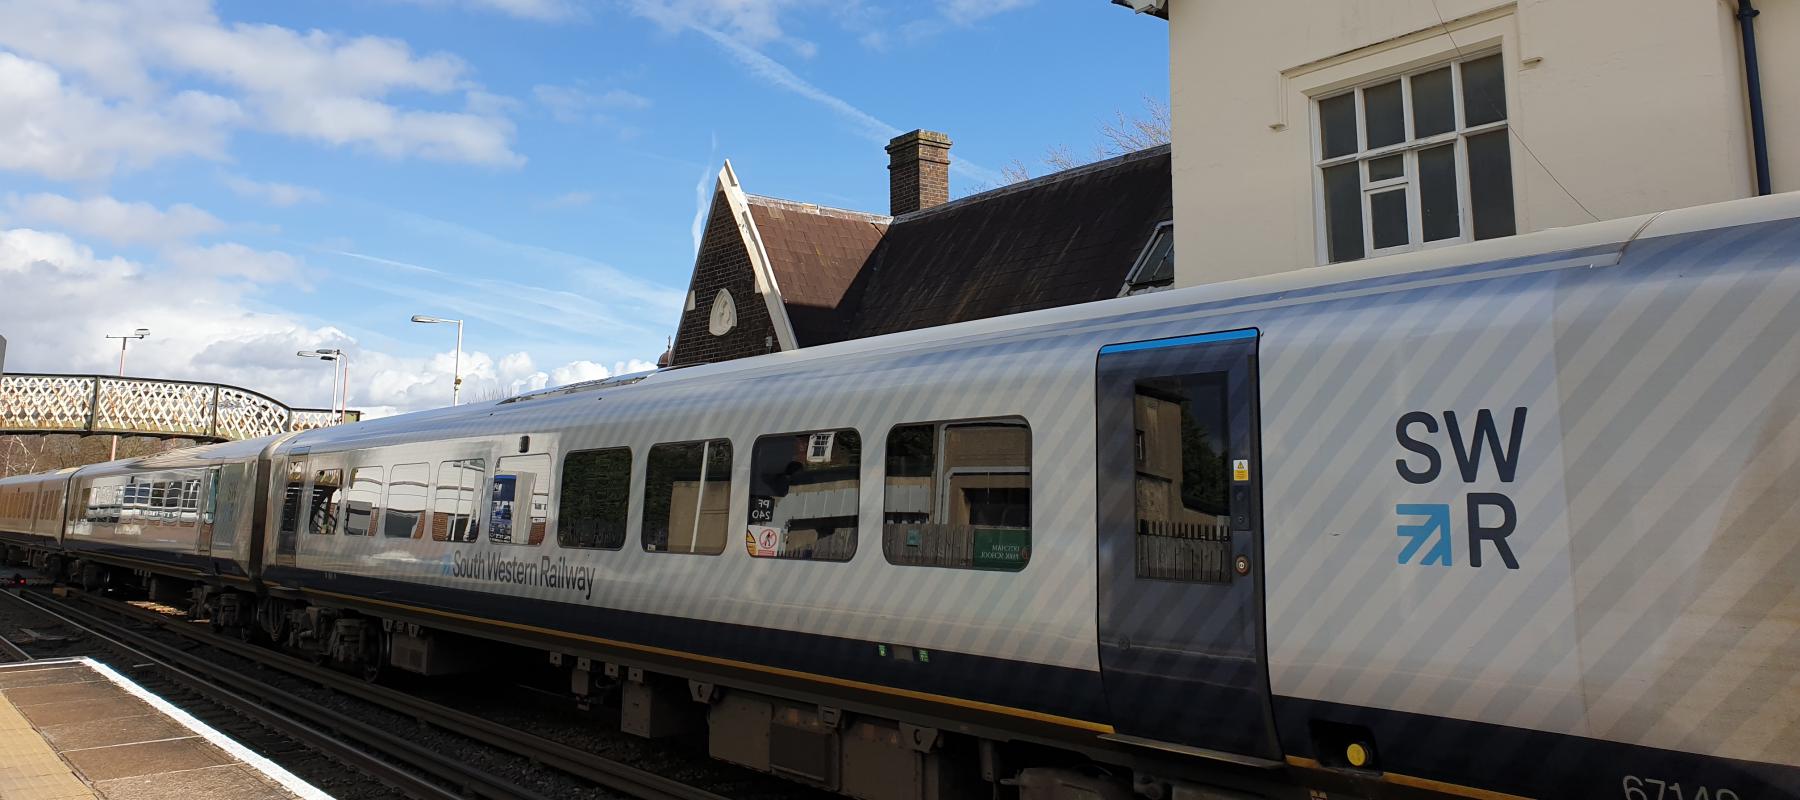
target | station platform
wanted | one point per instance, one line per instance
(74, 729)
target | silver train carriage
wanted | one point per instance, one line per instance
(1513, 518)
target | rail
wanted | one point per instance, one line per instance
(42, 403)
(606, 772)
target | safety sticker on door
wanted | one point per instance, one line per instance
(1240, 469)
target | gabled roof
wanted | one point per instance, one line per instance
(815, 253)
(830, 274)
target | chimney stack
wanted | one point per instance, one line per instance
(918, 171)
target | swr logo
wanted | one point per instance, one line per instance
(1413, 431)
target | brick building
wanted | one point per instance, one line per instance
(777, 274)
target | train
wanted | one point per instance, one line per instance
(1512, 518)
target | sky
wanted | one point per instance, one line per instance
(248, 179)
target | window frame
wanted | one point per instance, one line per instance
(550, 492)
(700, 501)
(420, 517)
(460, 467)
(561, 496)
(1409, 147)
(811, 435)
(375, 506)
(942, 484)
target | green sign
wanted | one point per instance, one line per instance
(1002, 548)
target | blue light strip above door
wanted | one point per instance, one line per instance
(1180, 341)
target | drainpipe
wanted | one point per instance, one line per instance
(1759, 135)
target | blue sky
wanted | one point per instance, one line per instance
(251, 178)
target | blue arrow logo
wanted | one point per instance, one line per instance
(1437, 519)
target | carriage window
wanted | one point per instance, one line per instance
(1183, 513)
(958, 494)
(327, 495)
(453, 514)
(687, 497)
(803, 495)
(405, 505)
(519, 502)
(595, 499)
(361, 500)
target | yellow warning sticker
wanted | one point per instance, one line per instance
(1240, 469)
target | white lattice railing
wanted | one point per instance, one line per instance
(136, 406)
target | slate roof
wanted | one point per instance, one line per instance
(1065, 238)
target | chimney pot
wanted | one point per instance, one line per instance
(918, 171)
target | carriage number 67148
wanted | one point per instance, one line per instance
(1635, 789)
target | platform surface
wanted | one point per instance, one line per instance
(73, 729)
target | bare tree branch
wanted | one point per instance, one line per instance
(1124, 134)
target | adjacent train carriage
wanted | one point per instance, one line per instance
(31, 510)
(1511, 519)
(189, 513)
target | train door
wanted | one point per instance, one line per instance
(293, 508)
(1182, 651)
(208, 506)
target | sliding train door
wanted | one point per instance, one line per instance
(1182, 650)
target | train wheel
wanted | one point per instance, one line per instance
(374, 665)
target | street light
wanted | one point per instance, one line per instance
(328, 355)
(124, 339)
(456, 382)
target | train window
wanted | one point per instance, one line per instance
(287, 535)
(595, 499)
(958, 494)
(361, 501)
(804, 495)
(1183, 513)
(519, 502)
(405, 507)
(687, 497)
(327, 497)
(453, 513)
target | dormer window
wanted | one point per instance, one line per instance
(1155, 267)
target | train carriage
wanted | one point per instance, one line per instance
(188, 513)
(1505, 519)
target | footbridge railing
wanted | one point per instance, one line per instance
(89, 404)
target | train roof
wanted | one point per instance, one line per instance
(1590, 245)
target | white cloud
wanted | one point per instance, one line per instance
(540, 10)
(969, 12)
(568, 200)
(276, 194)
(314, 85)
(62, 132)
(573, 103)
(207, 328)
(233, 261)
(112, 220)
(755, 21)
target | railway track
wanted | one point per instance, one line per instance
(462, 779)
(296, 741)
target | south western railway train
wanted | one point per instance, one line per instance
(1517, 518)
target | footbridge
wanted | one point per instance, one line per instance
(103, 404)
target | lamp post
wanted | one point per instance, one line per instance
(327, 355)
(456, 382)
(124, 339)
